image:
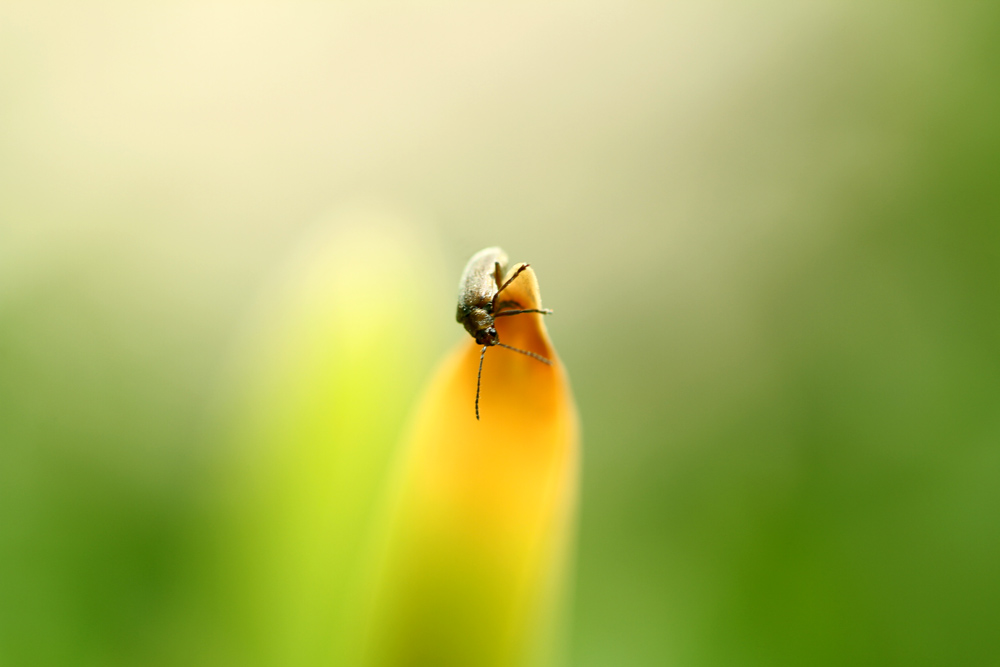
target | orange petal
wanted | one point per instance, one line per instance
(478, 545)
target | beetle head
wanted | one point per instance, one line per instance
(487, 336)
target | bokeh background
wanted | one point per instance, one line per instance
(229, 240)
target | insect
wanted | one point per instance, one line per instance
(479, 303)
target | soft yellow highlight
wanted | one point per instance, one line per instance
(477, 548)
(318, 394)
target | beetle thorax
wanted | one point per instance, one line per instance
(479, 323)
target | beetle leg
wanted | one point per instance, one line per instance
(507, 305)
(498, 274)
(543, 311)
(509, 281)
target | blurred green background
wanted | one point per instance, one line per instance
(771, 234)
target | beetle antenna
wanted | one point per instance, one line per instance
(479, 378)
(516, 349)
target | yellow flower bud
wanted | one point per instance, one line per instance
(476, 549)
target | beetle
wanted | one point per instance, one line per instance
(478, 304)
